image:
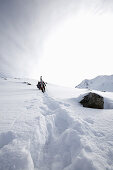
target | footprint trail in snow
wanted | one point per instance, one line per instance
(49, 132)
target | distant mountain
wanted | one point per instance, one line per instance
(101, 83)
(4, 75)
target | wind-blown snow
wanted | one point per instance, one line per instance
(52, 131)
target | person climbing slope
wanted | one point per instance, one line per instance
(41, 85)
(41, 81)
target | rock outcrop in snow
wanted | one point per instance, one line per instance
(93, 100)
(101, 83)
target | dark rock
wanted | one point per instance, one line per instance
(93, 100)
(27, 83)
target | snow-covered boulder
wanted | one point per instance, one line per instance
(93, 100)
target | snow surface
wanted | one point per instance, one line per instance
(101, 83)
(52, 131)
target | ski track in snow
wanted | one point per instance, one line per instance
(41, 132)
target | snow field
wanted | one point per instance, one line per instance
(52, 131)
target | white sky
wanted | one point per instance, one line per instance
(65, 41)
(80, 47)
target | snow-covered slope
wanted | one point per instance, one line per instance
(52, 131)
(101, 83)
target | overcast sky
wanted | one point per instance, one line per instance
(65, 41)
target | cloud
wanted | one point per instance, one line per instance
(25, 26)
(20, 33)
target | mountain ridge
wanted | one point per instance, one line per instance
(100, 83)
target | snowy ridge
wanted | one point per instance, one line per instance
(52, 131)
(101, 83)
(2, 75)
